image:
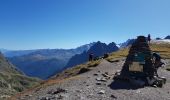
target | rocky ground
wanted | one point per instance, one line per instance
(98, 84)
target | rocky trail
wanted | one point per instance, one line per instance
(98, 84)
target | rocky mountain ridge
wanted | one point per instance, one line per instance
(98, 50)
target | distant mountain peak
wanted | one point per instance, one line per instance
(167, 37)
(127, 43)
(98, 49)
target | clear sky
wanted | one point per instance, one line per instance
(37, 24)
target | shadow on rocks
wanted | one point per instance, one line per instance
(118, 85)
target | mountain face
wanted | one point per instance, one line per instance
(168, 37)
(6, 66)
(43, 63)
(99, 49)
(127, 43)
(158, 38)
(12, 80)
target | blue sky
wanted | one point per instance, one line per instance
(37, 24)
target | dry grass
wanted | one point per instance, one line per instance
(118, 55)
(162, 49)
(75, 70)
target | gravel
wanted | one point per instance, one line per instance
(89, 86)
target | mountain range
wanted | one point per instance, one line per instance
(167, 37)
(98, 49)
(127, 43)
(95, 80)
(44, 62)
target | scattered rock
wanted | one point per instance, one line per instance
(106, 75)
(83, 70)
(101, 79)
(28, 95)
(113, 96)
(98, 83)
(138, 91)
(45, 98)
(60, 97)
(90, 96)
(118, 72)
(5, 96)
(104, 79)
(102, 92)
(59, 90)
(79, 91)
(98, 78)
(96, 74)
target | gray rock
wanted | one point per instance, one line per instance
(96, 74)
(60, 97)
(101, 92)
(113, 96)
(79, 91)
(45, 98)
(101, 79)
(98, 83)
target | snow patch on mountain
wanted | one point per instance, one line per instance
(161, 41)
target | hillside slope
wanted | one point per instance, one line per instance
(96, 83)
(11, 80)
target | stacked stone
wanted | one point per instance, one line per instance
(139, 46)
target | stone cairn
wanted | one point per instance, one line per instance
(139, 46)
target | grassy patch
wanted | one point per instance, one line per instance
(13, 83)
(162, 49)
(118, 55)
(76, 70)
(93, 63)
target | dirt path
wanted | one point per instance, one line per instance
(96, 85)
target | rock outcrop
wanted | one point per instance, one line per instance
(99, 49)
